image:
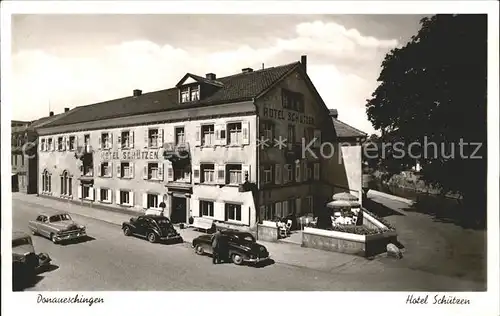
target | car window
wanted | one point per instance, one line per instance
(55, 218)
(65, 217)
(163, 222)
(40, 218)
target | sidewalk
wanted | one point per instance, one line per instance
(283, 253)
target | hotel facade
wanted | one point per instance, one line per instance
(230, 149)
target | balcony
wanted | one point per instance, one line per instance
(176, 152)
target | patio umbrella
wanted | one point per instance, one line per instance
(344, 196)
(343, 203)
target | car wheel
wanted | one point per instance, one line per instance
(126, 231)
(199, 250)
(53, 238)
(237, 259)
(33, 232)
(152, 237)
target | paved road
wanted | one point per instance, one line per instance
(112, 261)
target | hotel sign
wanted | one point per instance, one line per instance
(289, 116)
(130, 155)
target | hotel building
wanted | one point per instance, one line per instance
(229, 149)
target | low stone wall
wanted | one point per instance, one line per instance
(267, 232)
(360, 245)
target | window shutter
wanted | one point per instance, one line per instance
(131, 139)
(277, 174)
(53, 144)
(261, 175)
(284, 208)
(160, 170)
(80, 191)
(144, 200)
(76, 142)
(305, 176)
(170, 172)
(245, 171)
(131, 198)
(160, 137)
(117, 197)
(66, 143)
(100, 142)
(198, 136)
(277, 207)
(317, 138)
(110, 169)
(245, 130)
(316, 171)
(99, 170)
(297, 172)
(119, 141)
(285, 174)
(220, 174)
(91, 193)
(262, 213)
(196, 173)
(132, 172)
(298, 206)
(146, 138)
(98, 193)
(110, 142)
(145, 172)
(119, 170)
(217, 129)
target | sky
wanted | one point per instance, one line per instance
(63, 61)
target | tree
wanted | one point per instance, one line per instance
(433, 91)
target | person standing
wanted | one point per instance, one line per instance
(216, 247)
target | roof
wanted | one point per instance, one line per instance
(236, 88)
(344, 130)
(44, 120)
(51, 212)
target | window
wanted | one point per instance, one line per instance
(152, 201)
(207, 208)
(104, 195)
(125, 139)
(66, 184)
(153, 137)
(72, 143)
(46, 182)
(208, 135)
(316, 171)
(185, 95)
(50, 144)
(125, 197)
(207, 173)
(15, 160)
(309, 204)
(270, 212)
(22, 159)
(86, 192)
(180, 137)
(86, 141)
(153, 171)
(195, 93)
(267, 131)
(293, 100)
(309, 172)
(234, 174)
(268, 174)
(105, 141)
(60, 146)
(233, 212)
(88, 170)
(291, 134)
(125, 170)
(43, 148)
(288, 174)
(308, 134)
(181, 174)
(105, 169)
(235, 134)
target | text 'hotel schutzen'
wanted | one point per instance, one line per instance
(229, 149)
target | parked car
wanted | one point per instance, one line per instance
(58, 226)
(25, 262)
(242, 247)
(153, 227)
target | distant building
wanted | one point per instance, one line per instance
(229, 149)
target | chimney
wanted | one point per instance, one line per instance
(210, 76)
(246, 70)
(303, 61)
(51, 113)
(137, 92)
(334, 113)
(66, 110)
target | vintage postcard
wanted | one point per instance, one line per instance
(250, 157)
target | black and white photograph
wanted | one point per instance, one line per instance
(287, 156)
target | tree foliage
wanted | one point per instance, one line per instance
(433, 91)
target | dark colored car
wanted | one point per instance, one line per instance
(242, 247)
(153, 227)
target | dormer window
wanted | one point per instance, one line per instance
(185, 94)
(190, 94)
(195, 93)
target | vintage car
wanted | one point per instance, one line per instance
(153, 227)
(25, 262)
(242, 247)
(58, 226)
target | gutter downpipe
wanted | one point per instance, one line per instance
(257, 170)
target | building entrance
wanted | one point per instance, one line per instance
(178, 210)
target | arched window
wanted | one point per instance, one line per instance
(66, 183)
(46, 181)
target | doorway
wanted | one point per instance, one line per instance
(178, 210)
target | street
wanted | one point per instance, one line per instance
(109, 261)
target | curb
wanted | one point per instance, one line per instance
(392, 197)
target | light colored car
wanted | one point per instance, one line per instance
(57, 226)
